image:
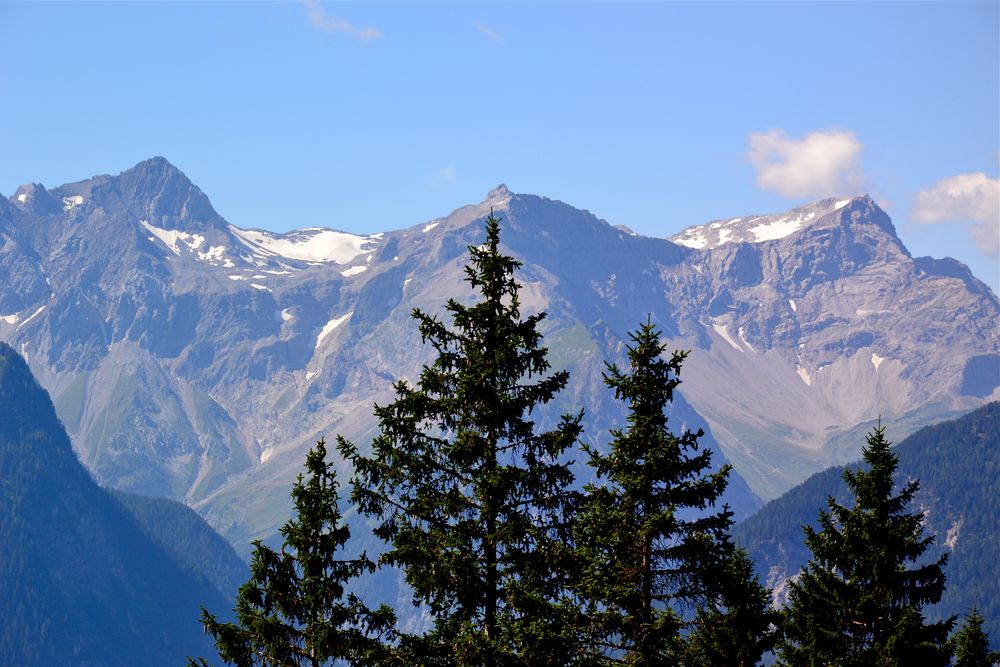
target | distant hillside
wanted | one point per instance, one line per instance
(81, 582)
(958, 465)
(189, 540)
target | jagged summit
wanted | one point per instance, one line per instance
(160, 193)
(156, 167)
(761, 228)
(498, 194)
(33, 197)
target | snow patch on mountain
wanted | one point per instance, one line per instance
(175, 240)
(214, 254)
(755, 229)
(10, 319)
(721, 330)
(313, 244)
(353, 271)
(69, 203)
(780, 228)
(170, 237)
(32, 316)
(877, 361)
(692, 239)
(330, 326)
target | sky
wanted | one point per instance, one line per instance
(376, 116)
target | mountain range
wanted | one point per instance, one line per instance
(192, 359)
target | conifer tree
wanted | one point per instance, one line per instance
(293, 610)
(736, 625)
(648, 537)
(858, 601)
(972, 644)
(472, 498)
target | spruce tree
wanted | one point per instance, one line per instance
(737, 624)
(293, 610)
(472, 498)
(859, 600)
(972, 644)
(651, 544)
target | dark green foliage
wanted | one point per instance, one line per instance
(737, 625)
(972, 645)
(180, 532)
(80, 582)
(472, 500)
(859, 601)
(293, 610)
(650, 543)
(958, 465)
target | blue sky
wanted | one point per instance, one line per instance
(375, 116)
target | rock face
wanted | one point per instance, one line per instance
(831, 324)
(194, 359)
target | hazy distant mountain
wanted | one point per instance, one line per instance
(81, 583)
(194, 359)
(958, 466)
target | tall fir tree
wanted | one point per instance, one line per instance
(294, 610)
(972, 644)
(736, 625)
(653, 547)
(471, 497)
(859, 601)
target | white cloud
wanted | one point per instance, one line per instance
(489, 33)
(826, 163)
(972, 200)
(443, 176)
(321, 20)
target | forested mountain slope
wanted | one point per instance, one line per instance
(958, 465)
(81, 582)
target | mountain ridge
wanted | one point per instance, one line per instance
(249, 355)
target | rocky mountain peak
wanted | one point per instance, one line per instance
(156, 168)
(34, 198)
(160, 193)
(772, 227)
(499, 194)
